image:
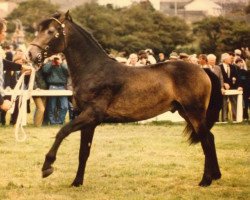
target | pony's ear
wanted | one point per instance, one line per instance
(67, 16)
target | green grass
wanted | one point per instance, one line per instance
(130, 161)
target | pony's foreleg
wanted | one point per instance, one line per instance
(85, 146)
(85, 119)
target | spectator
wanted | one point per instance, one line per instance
(7, 66)
(133, 60)
(10, 80)
(8, 52)
(211, 61)
(202, 61)
(143, 58)
(238, 54)
(56, 78)
(184, 57)
(231, 81)
(193, 59)
(173, 56)
(40, 101)
(161, 58)
(244, 80)
(151, 57)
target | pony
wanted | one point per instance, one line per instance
(106, 91)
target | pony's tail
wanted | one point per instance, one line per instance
(214, 107)
(216, 99)
(193, 136)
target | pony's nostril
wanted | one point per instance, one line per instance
(30, 55)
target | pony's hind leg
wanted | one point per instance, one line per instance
(85, 146)
(199, 132)
(211, 168)
(85, 119)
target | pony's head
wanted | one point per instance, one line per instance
(51, 37)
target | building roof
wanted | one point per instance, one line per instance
(207, 6)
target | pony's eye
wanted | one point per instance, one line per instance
(50, 32)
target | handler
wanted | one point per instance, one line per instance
(6, 65)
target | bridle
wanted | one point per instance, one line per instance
(44, 51)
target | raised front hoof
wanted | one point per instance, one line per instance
(76, 183)
(205, 182)
(47, 172)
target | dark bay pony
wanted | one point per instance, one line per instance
(107, 91)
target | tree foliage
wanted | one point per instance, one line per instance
(30, 12)
(134, 28)
(140, 26)
(218, 34)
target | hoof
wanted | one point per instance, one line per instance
(216, 176)
(76, 184)
(205, 182)
(47, 172)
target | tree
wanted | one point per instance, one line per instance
(217, 34)
(132, 29)
(30, 12)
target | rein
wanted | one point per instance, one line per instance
(44, 52)
(23, 96)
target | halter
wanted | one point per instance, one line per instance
(44, 52)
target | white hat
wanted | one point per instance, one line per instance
(121, 59)
(237, 52)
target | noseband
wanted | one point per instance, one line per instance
(44, 52)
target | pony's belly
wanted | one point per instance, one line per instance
(136, 112)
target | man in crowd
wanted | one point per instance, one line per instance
(6, 65)
(231, 81)
(56, 74)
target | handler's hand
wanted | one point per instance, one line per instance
(6, 105)
(26, 69)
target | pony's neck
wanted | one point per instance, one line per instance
(83, 50)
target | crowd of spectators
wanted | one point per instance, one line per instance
(231, 69)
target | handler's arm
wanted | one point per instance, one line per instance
(11, 66)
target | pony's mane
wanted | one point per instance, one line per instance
(44, 23)
(88, 35)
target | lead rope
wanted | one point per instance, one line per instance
(23, 96)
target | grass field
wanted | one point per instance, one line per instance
(126, 162)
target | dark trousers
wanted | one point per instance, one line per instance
(14, 115)
(233, 100)
(245, 106)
